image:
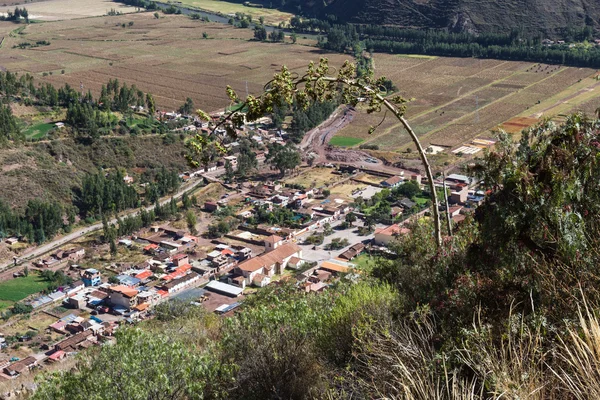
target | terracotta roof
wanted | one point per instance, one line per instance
(56, 355)
(98, 294)
(294, 260)
(21, 365)
(141, 307)
(273, 239)
(125, 290)
(259, 277)
(392, 230)
(227, 252)
(178, 257)
(73, 341)
(151, 246)
(270, 258)
(144, 275)
(253, 264)
(327, 265)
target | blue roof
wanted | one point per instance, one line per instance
(69, 318)
(128, 280)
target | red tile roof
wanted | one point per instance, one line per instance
(392, 230)
(273, 239)
(144, 275)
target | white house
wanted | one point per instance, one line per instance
(384, 236)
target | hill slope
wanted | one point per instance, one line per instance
(547, 16)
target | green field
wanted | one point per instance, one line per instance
(345, 141)
(5, 304)
(38, 131)
(19, 288)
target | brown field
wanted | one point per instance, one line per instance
(55, 10)
(517, 124)
(166, 57)
(458, 99)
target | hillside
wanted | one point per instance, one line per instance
(547, 16)
(50, 170)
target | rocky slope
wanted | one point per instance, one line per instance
(546, 16)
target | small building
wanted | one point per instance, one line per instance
(354, 251)
(416, 178)
(211, 206)
(11, 240)
(261, 280)
(392, 182)
(91, 277)
(272, 242)
(224, 288)
(17, 368)
(123, 296)
(295, 263)
(407, 204)
(180, 259)
(385, 236)
(231, 159)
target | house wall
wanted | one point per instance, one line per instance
(383, 240)
(119, 299)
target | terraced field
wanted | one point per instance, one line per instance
(457, 99)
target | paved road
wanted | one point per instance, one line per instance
(45, 248)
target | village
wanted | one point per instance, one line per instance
(320, 224)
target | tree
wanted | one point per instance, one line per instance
(190, 219)
(317, 85)
(188, 107)
(156, 15)
(204, 35)
(350, 218)
(26, 271)
(294, 38)
(141, 365)
(409, 189)
(150, 104)
(284, 158)
(260, 33)
(327, 230)
(229, 173)
(21, 308)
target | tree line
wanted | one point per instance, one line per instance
(39, 221)
(109, 193)
(504, 46)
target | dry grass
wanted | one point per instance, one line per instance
(580, 351)
(316, 177)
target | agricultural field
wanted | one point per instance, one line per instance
(272, 16)
(38, 131)
(458, 99)
(17, 289)
(167, 57)
(344, 141)
(54, 10)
